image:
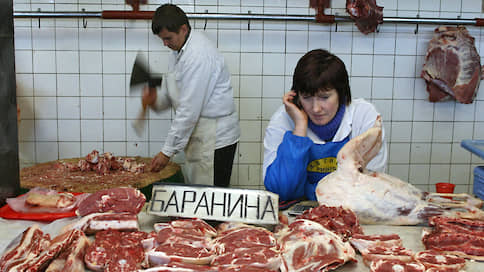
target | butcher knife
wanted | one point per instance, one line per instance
(140, 75)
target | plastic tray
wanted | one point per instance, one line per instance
(474, 146)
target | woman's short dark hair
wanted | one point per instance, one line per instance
(168, 16)
(320, 70)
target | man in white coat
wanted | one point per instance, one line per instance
(198, 87)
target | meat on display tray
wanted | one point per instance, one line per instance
(474, 146)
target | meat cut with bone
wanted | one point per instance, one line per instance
(376, 198)
(452, 65)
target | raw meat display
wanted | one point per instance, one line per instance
(103, 164)
(121, 199)
(366, 14)
(396, 266)
(308, 246)
(376, 198)
(95, 222)
(337, 219)
(72, 258)
(440, 262)
(461, 237)
(452, 65)
(116, 251)
(362, 242)
(33, 242)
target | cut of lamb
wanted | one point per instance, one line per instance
(440, 262)
(121, 199)
(362, 242)
(72, 258)
(32, 243)
(95, 222)
(42, 200)
(337, 219)
(461, 237)
(452, 65)
(366, 14)
(181, 267)
(376, 198)
(116, 251)
(308, 246)
(375, 253)
(396, 266)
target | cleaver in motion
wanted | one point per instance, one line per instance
(140, 75)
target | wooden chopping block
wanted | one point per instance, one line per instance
(53, 175)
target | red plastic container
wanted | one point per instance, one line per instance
(444, 187)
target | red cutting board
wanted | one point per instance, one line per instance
(7, 213)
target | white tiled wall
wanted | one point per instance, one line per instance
(73, 82)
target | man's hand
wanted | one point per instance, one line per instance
(297, 115)
(159, 162)
(149, 96)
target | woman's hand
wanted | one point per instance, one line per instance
(298, 115)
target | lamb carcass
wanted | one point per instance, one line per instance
(376, 198)
(452, 65)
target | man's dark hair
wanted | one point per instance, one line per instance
(168, 16)
(319, 70)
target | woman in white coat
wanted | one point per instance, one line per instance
(316, 119)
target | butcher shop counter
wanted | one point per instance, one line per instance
(12, 229)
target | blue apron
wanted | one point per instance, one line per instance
(322, 161)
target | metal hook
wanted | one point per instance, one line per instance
(248, 22)
(335, 27)
(377, 29)
(206, 20)
(38, 9)
(84, 21)
(416, 26)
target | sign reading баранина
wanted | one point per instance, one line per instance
(214, 203)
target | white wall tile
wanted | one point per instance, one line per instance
(403, 88)
(137, 149)
(382, 88)
(232, 61)
(43, 38)
(250, 109)
(66, 38)
(251, 63)
(444, 111)
(68, 108)
(273, 86)
(251, 41)
(114, 85)
(422, 131)
(26, 105)
(69, 150)
(361, 70)
(26, 130)
(442, 132)
(383, 66)
(67, 85)
(399, 170)
(91, 107)
(291, 61)
(438, 173)
(459, 154)
(405, 66)
(384, 107)
(117, 148)
(464, 112)
(462, 131)
(318, 39)
(46, 151)
(385, 43)
(90, 85)
(402, 110)
(406, 44)
(113, 62)
(460, 174)
(45, 108)
(250, 86)
(362, 44)
(341, 42)
(297, 41)
(479, 111)
(91, 130)
(23, 38)
(26, 154)
(113, 39)
(114, 130)
(479, 131)
(361, 87)
(419, 173)
(159, 129)
(67, 61)
(249, 152)
(401, 131)
(23, 61)
(69, 130)
(229, 40)
(114, 107)
(90, 62)
(420, 153)
(273, 64)
(440, 153)
(46, 130)
(44, 62)
(90, 39)
(44, 84)
(269, 106)
(137, 38)
(431, 5)
(250, 131)
(450, 5)
(423, 110)
(399, 153)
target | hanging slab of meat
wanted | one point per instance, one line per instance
(452, 65)
(366, 14)
(376, 198)
(308, 246)
(440, 262)
(122, 199)
(337, 219)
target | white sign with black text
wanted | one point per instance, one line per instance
(215, 203)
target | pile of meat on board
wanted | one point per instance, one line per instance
(103, 164)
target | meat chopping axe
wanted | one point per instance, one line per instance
(140, 75)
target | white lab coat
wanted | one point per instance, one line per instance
(359, 116)
(205, 117)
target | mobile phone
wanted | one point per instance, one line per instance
(296, 101)
(299, 208)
